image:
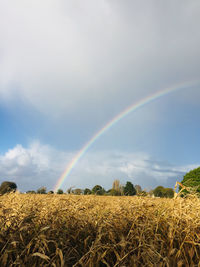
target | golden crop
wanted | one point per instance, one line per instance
(67, 230)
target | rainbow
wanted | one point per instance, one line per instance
(116, 119)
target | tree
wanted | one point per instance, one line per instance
(168, 192)
(161, 191)
(116, 185)
(42, 190)
(117, 189)
(129, 189)
(138, 188)
(69, 190)
(60, 192)
(158, 191)
(114, 192)
(7, 187)
(108, 192)
(87, 191)
(98, 190)
(77, 191)
(51, 192)
(192, 180)
(30, 192)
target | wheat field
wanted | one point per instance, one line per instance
(69, 230)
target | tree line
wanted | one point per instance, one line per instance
(117, 190)
(189, 184)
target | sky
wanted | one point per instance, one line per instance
(67, 68)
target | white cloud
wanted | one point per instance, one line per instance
(41, 165)
(30, 167)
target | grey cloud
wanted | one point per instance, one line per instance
(79, 56)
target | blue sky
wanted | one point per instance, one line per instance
(69, 67)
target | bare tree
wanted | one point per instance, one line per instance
(117, 188)
(116, 185)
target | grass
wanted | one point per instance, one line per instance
(67, 230)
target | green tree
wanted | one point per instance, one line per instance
(77, 191)
(168, 192)
(158, 191)
(192, 180)
(129, 189)
(114, 192)
(42, 190)
(30, 192)
(7, 187)
(108, 192)
(98, 190)
(60, 192)
(87, 191)
(161, 191)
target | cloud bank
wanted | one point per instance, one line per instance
(41, 165)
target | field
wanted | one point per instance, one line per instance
(67, 230)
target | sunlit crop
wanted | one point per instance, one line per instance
(67, 230)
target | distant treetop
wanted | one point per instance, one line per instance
(7, 187)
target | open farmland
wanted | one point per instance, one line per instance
(67, 230)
